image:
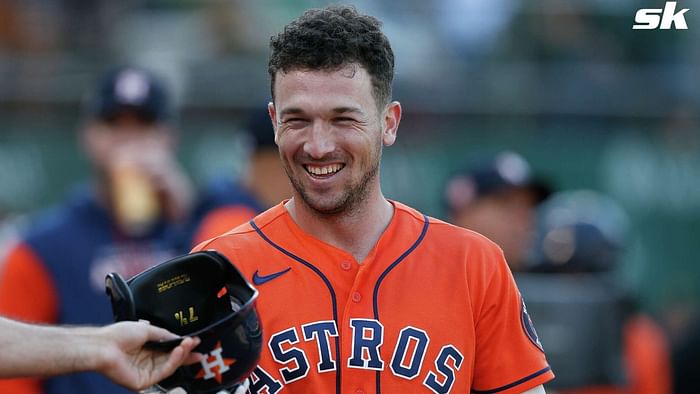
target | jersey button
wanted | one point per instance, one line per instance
(346, 265)
(356, 297)
(359, 391)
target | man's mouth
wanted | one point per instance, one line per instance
(324, 171)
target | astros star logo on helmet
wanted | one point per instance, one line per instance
(214, 365)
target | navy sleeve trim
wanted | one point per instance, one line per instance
(516, 383)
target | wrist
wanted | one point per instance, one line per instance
(91, 349)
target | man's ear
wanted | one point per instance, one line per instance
(390, 122)
(273, 117)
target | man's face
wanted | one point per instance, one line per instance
(507, 218)
(330, 135)
(126, 138)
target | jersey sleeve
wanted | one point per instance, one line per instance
(509, 357)
(26, 293)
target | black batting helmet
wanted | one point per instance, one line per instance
(201, 294)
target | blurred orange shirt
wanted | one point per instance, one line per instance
(22, 264)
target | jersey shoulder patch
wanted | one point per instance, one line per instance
(528, 327)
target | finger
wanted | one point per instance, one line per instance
(152, 390)
(160, 334)
(193, 358)
(184, 353)
(189, 343)
(175, 359)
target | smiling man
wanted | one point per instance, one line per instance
(359, 293)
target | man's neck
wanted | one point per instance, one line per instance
(355, 232)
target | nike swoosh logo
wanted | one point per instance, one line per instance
(260, 279)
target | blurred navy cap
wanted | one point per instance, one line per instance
(129, 89)
(502, 172)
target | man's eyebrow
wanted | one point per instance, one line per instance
(345, 110)
(337, 110)
(291, 110)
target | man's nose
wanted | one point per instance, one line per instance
(319, 141)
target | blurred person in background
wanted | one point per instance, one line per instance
(580, 242)
(566, 233)
(498, 197)
(130, 216)
(654, 173)
(226, 203)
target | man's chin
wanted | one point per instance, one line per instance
(324, 206)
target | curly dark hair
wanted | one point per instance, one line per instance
(331, 38)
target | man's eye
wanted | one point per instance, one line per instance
(294, 122)
(344, 120)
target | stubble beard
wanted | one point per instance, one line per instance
(351, 199)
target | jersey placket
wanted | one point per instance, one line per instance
(357, 328)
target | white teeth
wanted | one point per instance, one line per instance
(325, 170)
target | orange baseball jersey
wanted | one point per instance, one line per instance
(433, 308)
